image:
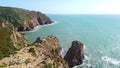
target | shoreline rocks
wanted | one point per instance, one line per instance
(43, 53)
(33, 24)
(75, 54)
(46, 53)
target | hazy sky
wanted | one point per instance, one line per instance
(67, 6)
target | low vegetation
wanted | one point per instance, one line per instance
(3, 65)
(6, 47)
(32, 50)
(18, 16)
(27, 61)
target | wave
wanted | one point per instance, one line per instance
(85, 47)
(83, 65)
(87, 58)
(62, 52)
(85, 61)
(33, 30)
(110, 60)
(79, 65)
(38, 27)
(54, 22)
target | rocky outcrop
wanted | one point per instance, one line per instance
(23, 20)
(10, 39)
(15, 52)
(44, 55)
(50, 42)
(18, 40)
(36, 20)
(38, 41)
(75, 54)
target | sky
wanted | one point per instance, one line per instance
(67, 6)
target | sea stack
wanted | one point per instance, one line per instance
(75, 54)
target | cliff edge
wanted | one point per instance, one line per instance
(16, 52)
(23, 20)
(45, 55)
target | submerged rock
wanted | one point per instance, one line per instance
(75, 54)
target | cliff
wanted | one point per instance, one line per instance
(15, 52)
(23, 20)
(10, 40)
(44, 55)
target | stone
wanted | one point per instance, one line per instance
(38, 41)
(75, 54)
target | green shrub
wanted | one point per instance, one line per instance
(32, 50)
(27, 62)
(3, 65)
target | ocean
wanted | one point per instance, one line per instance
(99, 33)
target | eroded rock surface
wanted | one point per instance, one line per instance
(45, 55)
(22, 19)
(75, 54)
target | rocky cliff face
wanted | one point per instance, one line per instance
(16, 53)
(36, 20)
(75, 54)
(23, 20)
(44, 55)
(10, 39)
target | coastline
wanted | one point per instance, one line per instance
(38, 27)
(54, 22)
(33, 30)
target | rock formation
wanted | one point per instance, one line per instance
(45, 55)
(10, 39)
(38, 41)
(23, 20)
(14, 49)
(75, 54)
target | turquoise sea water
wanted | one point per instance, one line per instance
(99, 33)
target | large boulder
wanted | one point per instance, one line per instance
(75, 54)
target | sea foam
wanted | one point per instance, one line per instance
(110, 60)
(54, 22)
(39, 27)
